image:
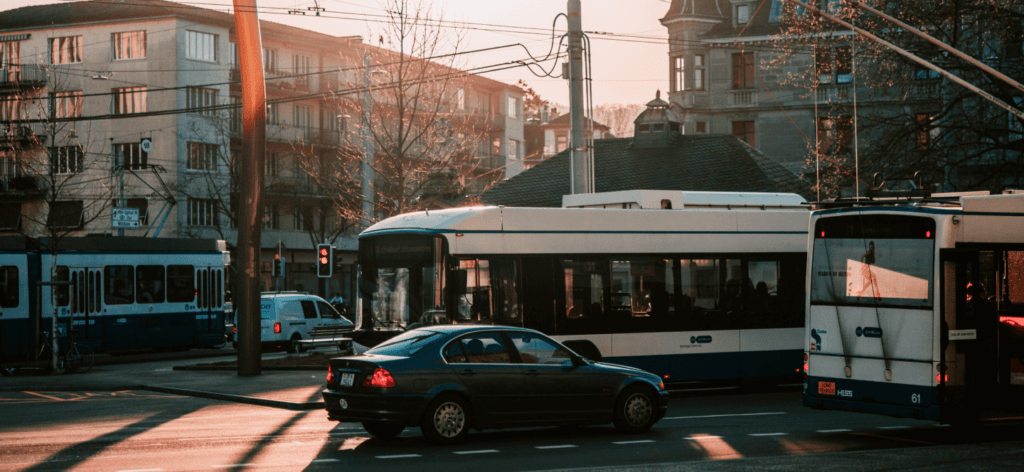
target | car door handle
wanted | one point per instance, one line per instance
(532, 372)
(468, 372)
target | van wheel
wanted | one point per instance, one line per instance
(293, 346)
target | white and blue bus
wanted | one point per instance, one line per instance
(915, 307)
(690, 286)
(126, 293)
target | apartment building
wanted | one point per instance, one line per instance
(107, 105)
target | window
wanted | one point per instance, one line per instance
(66, 50)
(149, 283)
(270, 164)
(701, 127)
(270, 61)
(67, 104)
(128, 45)
(119, 285)
(301, 117)
(833, 60)
(65, 215)
(10, 60)
(11, 109)
(233, 55)
(202, 212)
(272, 116)
(844, 65)
(777, 11)
(10, 216)
(202, 156)
(744, 130)
(534, 349)
(924, 73)
(461, 99)
(584, 304)
(513, 150)
(302, 218)
(561, 142)
(66, 159)
(129, 100)
(271, 219)
(743, 70)
(201, 46)
(698, 72)
(301, 63)
(131, 156)
(678, 68)
(236, 115)
(513, 107)
(742, 14)
(9, 286)
(181, 283)
(485, 348)
(201, 100)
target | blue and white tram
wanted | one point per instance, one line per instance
(711, 289)
(915, 308)
(127, 293)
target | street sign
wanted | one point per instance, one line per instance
(124, 218)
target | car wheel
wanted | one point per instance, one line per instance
(383, 430)
(447, 420)
(634, 410)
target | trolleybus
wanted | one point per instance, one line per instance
(690, 286)
(915, 307)
(126, 293)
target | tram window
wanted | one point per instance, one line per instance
(763, 302)
(219, 290)
(149, 283)
(119, 285)
(181, 286)
(699, 279)
(9, 287)
(62, 293)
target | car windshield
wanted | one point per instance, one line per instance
(406, 344)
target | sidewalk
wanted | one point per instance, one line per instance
(288, 389)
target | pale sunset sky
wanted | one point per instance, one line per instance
(627, 66)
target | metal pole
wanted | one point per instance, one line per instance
(120, 188)
(250, 209)
(581, 165)
(368, 147)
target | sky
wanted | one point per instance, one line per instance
(625, 70)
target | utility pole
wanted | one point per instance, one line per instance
(582, 167)
(250, 209)
(368, 148)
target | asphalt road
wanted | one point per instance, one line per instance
(720, 429)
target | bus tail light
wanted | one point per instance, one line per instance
(380, 378)
(939, 378)
(277, 328)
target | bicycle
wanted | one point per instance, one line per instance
(77, 358)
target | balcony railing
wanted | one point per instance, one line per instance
(742, 98)
(22, 76)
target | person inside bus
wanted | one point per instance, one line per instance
(145, 295)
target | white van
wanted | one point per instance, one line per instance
(288, 317)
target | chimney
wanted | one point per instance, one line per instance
(544, 114)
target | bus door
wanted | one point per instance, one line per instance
(86, 307)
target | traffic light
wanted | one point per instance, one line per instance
(324, 260)
(278, 265)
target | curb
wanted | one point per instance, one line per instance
(316, 368)
(236, 398)
(69, 388)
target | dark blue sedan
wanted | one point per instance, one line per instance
(449, 379)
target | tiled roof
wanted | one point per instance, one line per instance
(563, 120)
(714, 163)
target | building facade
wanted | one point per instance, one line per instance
(136, 106)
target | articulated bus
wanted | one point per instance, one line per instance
(128, 293)
(915, 308)
(690, 286)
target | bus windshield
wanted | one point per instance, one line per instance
(402, 280)
(873, 260)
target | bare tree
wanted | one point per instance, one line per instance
(911, 119)
(619, 118)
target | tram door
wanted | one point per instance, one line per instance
(86, 305)
(209, 301)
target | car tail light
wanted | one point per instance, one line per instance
(661, 385)
(277, 328)
(330, 375)
(380, 378)
(234, 329)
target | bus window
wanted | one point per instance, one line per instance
(119, 285)
(62, 293)
(9, 287)
(584, 300)
(181, 285)
(474, 303)
(150, 283)
(1015, 278)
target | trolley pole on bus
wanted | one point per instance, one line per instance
(250, 210)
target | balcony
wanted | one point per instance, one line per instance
(482, 121)
(22, 186)
(835, 94)
(19, 133)
(22, 77)
(742, 98)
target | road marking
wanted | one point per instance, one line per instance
(142, 470)
(642, 441)
(561, 446)
(323, 460)
(233, 465)
(698, 438)
(482, 451)
(769, 434)
(894, 427)
(46, 397)
(723, 416)
(834, 430)
(400, 456)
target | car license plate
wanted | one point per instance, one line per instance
(826, 388)
(347, 379)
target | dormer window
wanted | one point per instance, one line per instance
(743, 12)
